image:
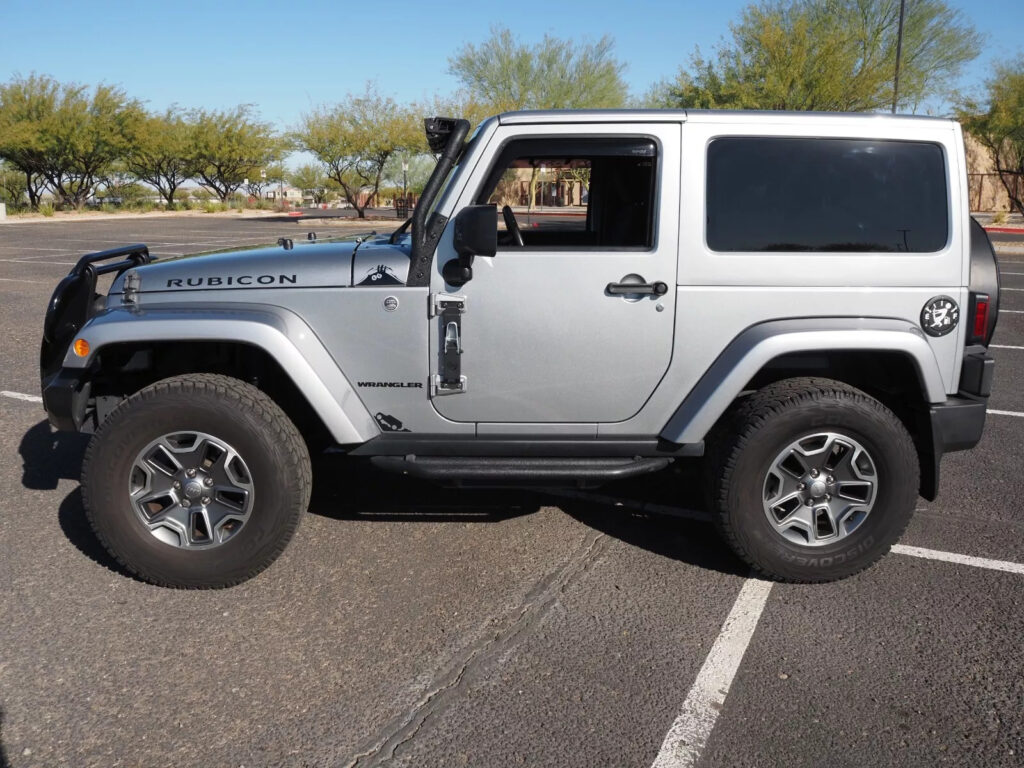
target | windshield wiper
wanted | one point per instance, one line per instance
(400, 231)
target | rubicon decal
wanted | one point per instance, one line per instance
(232, 280)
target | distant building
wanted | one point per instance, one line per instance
(292, 195)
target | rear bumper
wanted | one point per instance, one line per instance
(957, 424)
(66, 399)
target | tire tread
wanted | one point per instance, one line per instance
(735, 432)
(243, 396)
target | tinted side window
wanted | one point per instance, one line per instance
(576, 192)
(781, 194)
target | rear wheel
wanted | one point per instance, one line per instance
(196, 481)
(812, 480)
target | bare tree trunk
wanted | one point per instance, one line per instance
(1013, 183)
(34, 193)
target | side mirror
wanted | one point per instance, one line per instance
(475, 234)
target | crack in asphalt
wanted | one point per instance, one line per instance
(446, 688)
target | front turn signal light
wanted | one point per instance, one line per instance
(81, 347)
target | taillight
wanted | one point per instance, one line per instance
(979, 329)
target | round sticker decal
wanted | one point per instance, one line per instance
(390, 304)
(940, 316)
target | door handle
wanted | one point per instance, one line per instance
(627, 289)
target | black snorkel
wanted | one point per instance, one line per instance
(446, 135)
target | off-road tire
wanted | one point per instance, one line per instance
(750, 436)
(236, 412)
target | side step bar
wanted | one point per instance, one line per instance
(505, 472)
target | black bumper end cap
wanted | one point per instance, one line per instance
(65, 398)
(957, 424)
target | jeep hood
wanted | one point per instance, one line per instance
(302, 265)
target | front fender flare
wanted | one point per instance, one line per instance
(749, 352)
(280, 333)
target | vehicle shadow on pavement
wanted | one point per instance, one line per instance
(49, 457)
(694, 542)
(76, 528)
(4, 760)
(352, 489)
(347, 489)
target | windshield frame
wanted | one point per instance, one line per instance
(445, 200)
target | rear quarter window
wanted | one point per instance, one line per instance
(808, 194)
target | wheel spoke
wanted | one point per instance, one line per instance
(162, 460)
(819, 489)
(191, 489)
(155, 505)
(856, 490)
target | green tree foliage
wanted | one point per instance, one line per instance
(827, 55)
(66, 134)
(25, 104)
(13, 191)
(226, 147)
(355, 139)
(312, 179)
(415, 179)
(999, 125)
(265, 177)
(555, 73)
(120, 184)
(160, 155)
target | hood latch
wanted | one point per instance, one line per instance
(132, 285)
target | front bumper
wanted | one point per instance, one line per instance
(66, 399)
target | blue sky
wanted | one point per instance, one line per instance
(286, 57)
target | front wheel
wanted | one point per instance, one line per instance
(812, 480)
(196, 481)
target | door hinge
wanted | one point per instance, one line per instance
(439, 387)
(442, 301)
(450, 308)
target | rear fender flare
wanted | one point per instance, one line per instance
(757, 346)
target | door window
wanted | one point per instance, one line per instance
(575, 193)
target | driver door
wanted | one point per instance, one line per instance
(552, 331)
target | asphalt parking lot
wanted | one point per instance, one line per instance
(411, 626)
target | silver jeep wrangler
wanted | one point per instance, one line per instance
(801, 302)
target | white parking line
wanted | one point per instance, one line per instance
(21, 396)
(1012, 311)
(689, 733)
(1004, 288)
(34, 248)
(1005, 413)
(15, 280)
(1004, 346)
(953, 557)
